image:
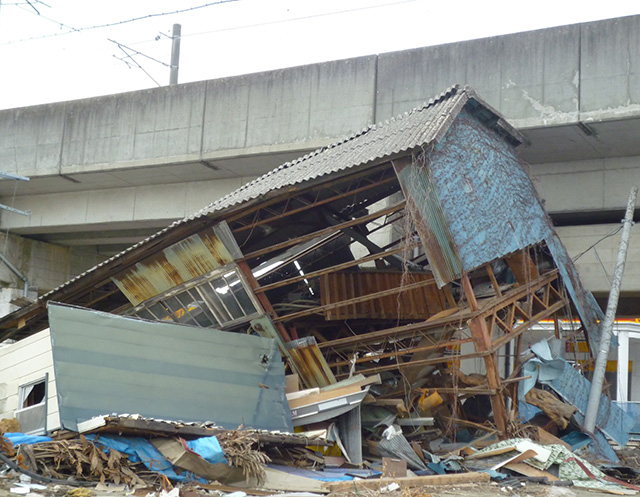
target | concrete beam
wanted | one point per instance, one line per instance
(114, 209)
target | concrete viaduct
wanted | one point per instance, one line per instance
(108, 171)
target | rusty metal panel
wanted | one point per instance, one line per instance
(473, 202)
(181, 262)
(419, 303)
(310, 363)
(476, 201)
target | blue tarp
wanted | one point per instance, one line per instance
(208, 448)
(22, 438)
(141, 450)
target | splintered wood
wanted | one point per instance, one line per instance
(83, 460)
(238, 447)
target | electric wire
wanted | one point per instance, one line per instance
(138, 65)
(301, 18)
(596, 243)
(135, 52)
(221, 30)
(37, 12)
(116, 23)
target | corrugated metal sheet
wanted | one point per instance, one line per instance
(309, 362)
(111, 364)
(574, 388)
(419, 128)
(473, 203)
(474, 199)
(181, 262)
(419, 303)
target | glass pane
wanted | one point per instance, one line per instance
(225, 292)
(243, 299)
(214, 303)
(145, 314)
(159, 312)
(196, 310)
(206, 315)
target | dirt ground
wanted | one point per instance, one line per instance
(484, 490)
(461, 490)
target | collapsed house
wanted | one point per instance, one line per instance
(416, 250)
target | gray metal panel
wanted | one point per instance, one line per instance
(111, 364)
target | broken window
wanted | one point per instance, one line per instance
(32, 394)
(220, 299)
(32, 407)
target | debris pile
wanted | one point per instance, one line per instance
(396, 307)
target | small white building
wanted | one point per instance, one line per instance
(27, 384)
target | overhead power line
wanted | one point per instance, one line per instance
(117, 23)
(301, 18)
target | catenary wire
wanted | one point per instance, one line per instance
(117, 23)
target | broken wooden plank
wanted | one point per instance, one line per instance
(523, 456)
(523, 468)
(409, 481)
(546, 438)
(394, 468)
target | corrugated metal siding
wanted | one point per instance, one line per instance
(425, 208)
(181, 262)
(111, 364)
(310, 362)
(488, 203)
(419, 303)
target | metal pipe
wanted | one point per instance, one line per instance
(18, 273)
(607, 325)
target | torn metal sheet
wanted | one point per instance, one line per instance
(588, 309)
(105, 363)
(574, 388)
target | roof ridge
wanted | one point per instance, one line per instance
(456, 88)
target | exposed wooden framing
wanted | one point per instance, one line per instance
(310, 236)
(489, 308)
(494, 282)
(500, 342)
(361, 486)
(516, 294)
(308, 250)
(298, 196)
(337, 267)
(357, 300)
(397, 353)
(470, 424)
(264, 301)
(464, 390)
(397, 332)
(522, 266)
(482, 343)
(421, 362)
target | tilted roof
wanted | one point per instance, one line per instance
(375, 144)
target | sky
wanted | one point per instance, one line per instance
(56, 50)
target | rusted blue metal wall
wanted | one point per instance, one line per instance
(473, 203)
